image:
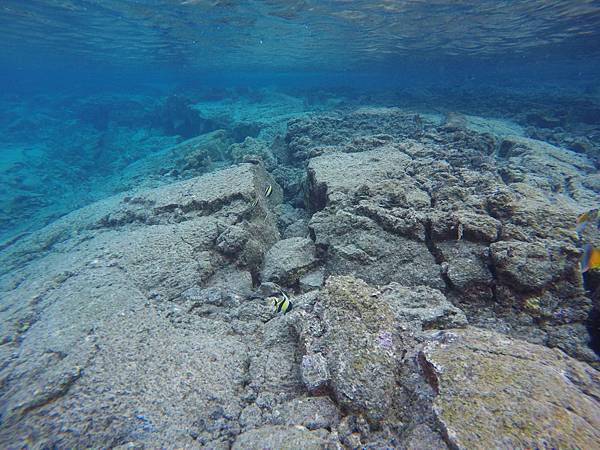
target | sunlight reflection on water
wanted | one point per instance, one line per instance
(278, 33)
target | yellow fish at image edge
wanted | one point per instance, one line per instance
(283, 304)
(591, 258)
(584, 219)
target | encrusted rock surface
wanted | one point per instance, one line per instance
(288, 260)
(496, 392)
(355, 337)
(110, 316)
(311, 412)
(420, 307)
(433, 270)
(420, 213)
(360, 340)
(281, 437)
(346, 172)
(353, 244)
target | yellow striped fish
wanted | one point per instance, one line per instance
(283, 304)
(268, 191)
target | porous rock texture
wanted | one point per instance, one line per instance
(110, 332)
(435, 208)
(495, 392)
(433, 272)
(358, 331)
(288, 260)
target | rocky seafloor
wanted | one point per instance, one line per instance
(433, 268)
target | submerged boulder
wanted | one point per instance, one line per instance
(495, 392)
(369, 167)
(123, 322)
(496, 235)
(288, 260)
(354, 336)
(353, 244)
(361, 347)
(281, 437)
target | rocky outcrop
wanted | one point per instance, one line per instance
(395, 362)
(358, 130)
(359, 236)
(425, 212)
(548, 167)
(353, 244)
(414, 271)
(281, 437)
(495, 392)
(288, 260)
(252, 148)
(359, 169)
(353, 338)
(360, 341)
(129, 315)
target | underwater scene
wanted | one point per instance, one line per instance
(300, 224)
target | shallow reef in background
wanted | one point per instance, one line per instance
(426, 240)
(63, 151)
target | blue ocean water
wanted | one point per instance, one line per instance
(408, 257)
(89, 88)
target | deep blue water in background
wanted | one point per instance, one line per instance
(89, 88)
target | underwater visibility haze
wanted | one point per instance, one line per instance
(299, 224)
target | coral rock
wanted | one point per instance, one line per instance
(496, 392)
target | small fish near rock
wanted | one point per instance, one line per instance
(590, 259)
(583, 220)
(281, 304)
(267, 193)
(591, 254)
(268, 190)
